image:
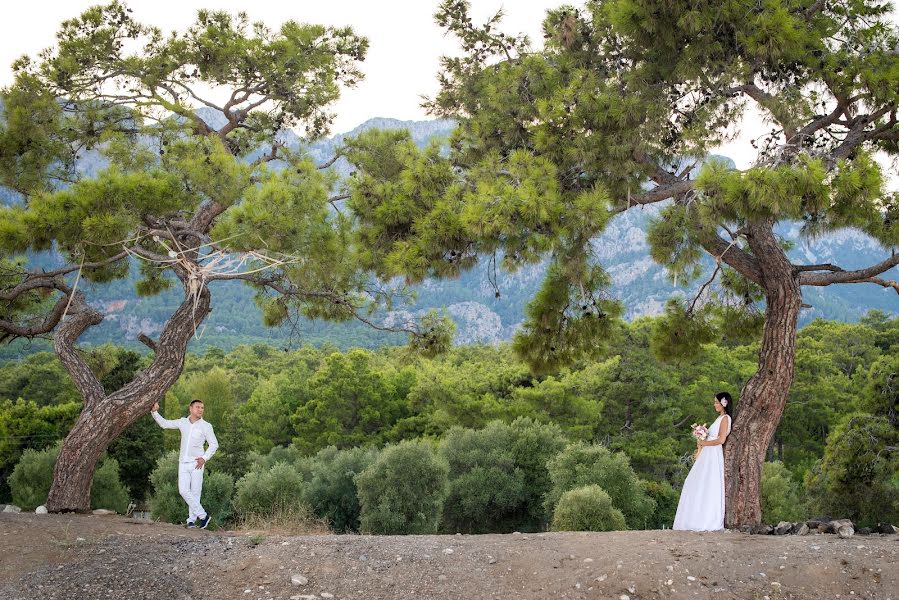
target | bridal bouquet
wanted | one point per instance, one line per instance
(700, 430)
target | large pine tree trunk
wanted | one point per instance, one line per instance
(764, 396)
(104, 417)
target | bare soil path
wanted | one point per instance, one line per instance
(85, 557)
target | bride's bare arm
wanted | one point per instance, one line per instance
(722, 436)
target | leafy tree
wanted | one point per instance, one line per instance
(40, 377)
(267, 415)
(184, 183)
(348, 403)
(24, 425)
(780, 494)
(617, 110)
(858, 475)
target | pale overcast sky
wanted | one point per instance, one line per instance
(405, 44)
(402, 63)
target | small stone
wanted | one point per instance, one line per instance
(326, 595)
(447, 550)
(103, 511)
(624, 597)
(601, 578)
(491, 560)
(588, 560)
(441, 578)
(298, 580)
(691, 578)
(40, 510)
(11, 508)
(670, 568)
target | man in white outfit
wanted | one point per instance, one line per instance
(191, 458)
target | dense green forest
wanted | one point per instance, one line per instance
(291, 416)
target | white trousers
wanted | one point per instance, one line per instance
(190, 486)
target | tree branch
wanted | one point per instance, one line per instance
(857, 276)
(80, 317)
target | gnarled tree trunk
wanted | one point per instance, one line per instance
(764, 396)
(104, 417)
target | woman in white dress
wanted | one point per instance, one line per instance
(701, 505)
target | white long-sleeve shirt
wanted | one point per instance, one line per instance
(193, 436)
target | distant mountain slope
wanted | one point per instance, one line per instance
(641, 284)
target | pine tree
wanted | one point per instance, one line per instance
(192, 189)
(616, 112)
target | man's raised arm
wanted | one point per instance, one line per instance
(164, 423)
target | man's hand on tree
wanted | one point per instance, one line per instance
(155, 407)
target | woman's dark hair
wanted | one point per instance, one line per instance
(729, 407)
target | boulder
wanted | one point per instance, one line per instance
(800, 529)
(11, 508)
(40, 510)
(783, 528)
(761, 530)
(886, 528)
(834, 526)
(864, 531)
(846, 530)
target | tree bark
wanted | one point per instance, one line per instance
(764, 396)
(105, 417)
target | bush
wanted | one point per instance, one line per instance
(666, 499)
(497, 476)
(331, 491)
(263, 491)
(780, 494)
(587, 508)
(403, 490)
(583, 464)
(166, 504)
(30, 481)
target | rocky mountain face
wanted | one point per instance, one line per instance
(639, 282)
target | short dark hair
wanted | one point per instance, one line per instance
(192, 402)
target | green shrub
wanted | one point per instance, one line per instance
(403, 490)
(780, 494)
(166, 504)
(331, 491)
(583, 464)
(290, 455)
(486, 485)
(587, 508)
(261, 491)
(666, 499)
(30, 481)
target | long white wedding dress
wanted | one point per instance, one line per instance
(701, 506)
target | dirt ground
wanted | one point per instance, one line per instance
(85, 557)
